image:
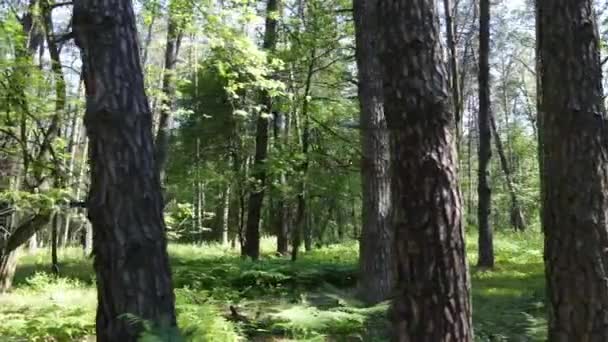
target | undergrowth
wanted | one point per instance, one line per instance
(221, 297)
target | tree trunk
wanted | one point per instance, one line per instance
(88, 238)
(256, 199)
(281, 221)
(32, 244)
(125, 202)
(517, 217)
(54, 240)
(225, 215)
(8, 265)
(303, 167)
(174, 39)
(376, 271)
(453, 58)
(308, 231)
(484, 192)
(575, 171)
(432, 299)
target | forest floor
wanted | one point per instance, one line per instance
(274, 299)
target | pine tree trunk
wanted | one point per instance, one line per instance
(574, 134)
(376, 271)
(125, 203)
(484, 192)
(432, 299)
(256, 199)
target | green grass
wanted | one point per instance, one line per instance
(309, 300)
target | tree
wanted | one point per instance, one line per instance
(376, 273)
(484, 192)
(125, 203)
(432, 301)
(175, 29)
(574, 170)
(252, 232)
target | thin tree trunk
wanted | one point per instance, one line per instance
(376, 266)
(54, 240)
(484, 192)
(125, 202)
(256, 199)
(281, 221)
(574, 134)
(432, 298)
(225, 215)
(174, 38)
(453, 58)
(517, 216)
(148, 40)
(308, 230)
(303, 167)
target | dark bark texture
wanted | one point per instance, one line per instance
(432, 299)
(484, 192)
(376, 271)
(256, 199)
(575, 171)
(125, 203)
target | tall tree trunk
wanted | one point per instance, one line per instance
(517, 217)
(376, 266)
(453, 58)
(174, 39)
(281, 221)
(303, 167)
(125, 202)
(484, 192)
(539, 98)
(256, 199)
(575, 171)
(432, 299)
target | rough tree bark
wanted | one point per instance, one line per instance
(484, 192)
(125, 203)
(376, 271)
(575, 171)
(256, 198)
(432, 299)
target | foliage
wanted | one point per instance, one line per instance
(311, 299)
